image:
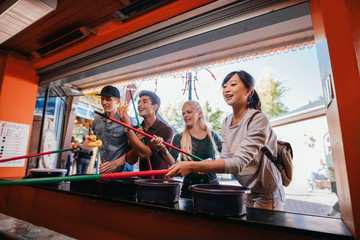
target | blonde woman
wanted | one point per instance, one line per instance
(198, 139)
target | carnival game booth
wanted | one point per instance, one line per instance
(115, 42)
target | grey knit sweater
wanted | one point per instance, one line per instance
(241, 150)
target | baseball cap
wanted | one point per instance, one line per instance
(109, 91)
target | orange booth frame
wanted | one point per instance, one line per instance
(336, 26)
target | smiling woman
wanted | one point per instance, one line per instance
(241, 146)
(197, 139)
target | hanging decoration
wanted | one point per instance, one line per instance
(190, 81)
(231, 60)
(156, 85)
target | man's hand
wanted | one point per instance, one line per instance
(139, 135)
(158, 142)
(75, 145)
(110, 165)
(124, 117)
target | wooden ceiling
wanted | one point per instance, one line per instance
(68, 16)
(172, 35)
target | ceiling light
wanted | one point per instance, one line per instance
(16, 15)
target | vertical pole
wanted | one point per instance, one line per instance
(63, 126)
(42, 125)
(190, 80)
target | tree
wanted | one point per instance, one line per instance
(213, 118)
(319, 98)
(270, 92)
(172, 114)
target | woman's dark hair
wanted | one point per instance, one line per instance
(153, 97)
(249, 82)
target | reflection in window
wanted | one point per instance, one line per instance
(50, 109)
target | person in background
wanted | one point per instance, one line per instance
(71, 155)
(148, 106)
(197, 139)
(243, 136)
(83, 157)
(114, 139)
(316, 178)
(330, 165)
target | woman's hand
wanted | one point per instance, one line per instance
(205, 160)
(181, 169)
(205, 166)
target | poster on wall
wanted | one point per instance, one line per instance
(14, 141)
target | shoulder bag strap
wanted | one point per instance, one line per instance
(265, 150)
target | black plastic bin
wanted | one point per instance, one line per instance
(220, 200)
(119, 188)
(158, 191)
(47, 172)
(86, 186)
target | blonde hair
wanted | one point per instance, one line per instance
(185, 142)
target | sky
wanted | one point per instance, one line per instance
(297, 70)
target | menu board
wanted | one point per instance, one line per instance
(14, 141)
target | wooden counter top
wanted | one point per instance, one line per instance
(95, 216)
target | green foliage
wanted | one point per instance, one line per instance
(316, 99)
(213, 117)
(172, 114)
(270, 92)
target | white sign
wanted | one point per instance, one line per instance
(14, 141)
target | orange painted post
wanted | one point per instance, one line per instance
(336, 27)
(18, 89)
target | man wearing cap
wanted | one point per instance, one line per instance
(148, 106)
(112, 134)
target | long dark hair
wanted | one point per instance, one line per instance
(253, 100)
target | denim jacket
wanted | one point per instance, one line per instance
(114, 139)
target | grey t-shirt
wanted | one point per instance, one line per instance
(241, 150)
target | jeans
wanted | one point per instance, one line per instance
(68, 164)
(82, 165)
(336, 206)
